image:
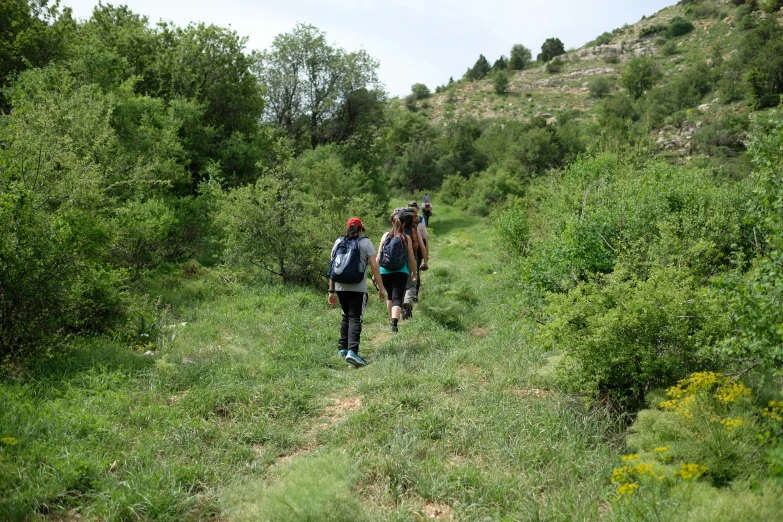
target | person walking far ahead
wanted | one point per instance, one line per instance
(422, 254)
(426, 210)
(395, 257)
(348, 283)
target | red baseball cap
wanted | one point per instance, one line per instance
(355, 221)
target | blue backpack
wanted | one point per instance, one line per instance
(347, 266)
(394, 252)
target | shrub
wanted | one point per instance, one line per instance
(604, 39)
(612, 58)
(707, 418)
(410, 103)
(640, 74)
(600, 87)
(555, 66)
(755, 296)
(420, 91)
(652, 30)
(623, 336)
(669, 48)
(679, 26)
(500, 82)
(512, 228)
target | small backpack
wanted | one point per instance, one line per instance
(347, 266)
(394, 252)
(427, 208)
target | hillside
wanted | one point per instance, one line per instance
(535, 92)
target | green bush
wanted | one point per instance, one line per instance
(600, 87)
(512, 228)
(755, 295)
(639, 75)
(623, 336)
(679, 26)
(420, 91)
(500, 82)
(554, 66)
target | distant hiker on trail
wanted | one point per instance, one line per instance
(395, 257)
(348, 283)
(426, 210)
(423, 254)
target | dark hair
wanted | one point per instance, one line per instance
(353, 232)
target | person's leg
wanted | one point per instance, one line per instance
(388, 284)
(356, 316)
(419, 261)
(344, 299)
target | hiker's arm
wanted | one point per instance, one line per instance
(332, 299)
(376, 274)
(425, 252)
(411, 259)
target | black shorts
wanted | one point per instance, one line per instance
(395, 286)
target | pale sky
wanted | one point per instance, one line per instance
(416, 41)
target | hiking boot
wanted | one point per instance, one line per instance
(407, 310)
(354, 359)
(342, 353)
(394, 328)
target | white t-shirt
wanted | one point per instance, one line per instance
(366, 250)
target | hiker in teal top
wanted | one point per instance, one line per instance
(395, 269)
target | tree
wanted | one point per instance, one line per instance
(307, 81)
(479, 70)
(552, 48)
(500, 81)
(420, 91)
(520, 58)
(640, 74)
(32, 33)
(500, 64)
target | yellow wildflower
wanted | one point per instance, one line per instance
(731, 391)
(691, 471)
(732, 422)
(619, 474)
(643, 469)
(662, 449)
(9, 441)
(774, 411)
(632, 456)
(629, 488)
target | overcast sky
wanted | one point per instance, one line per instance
(415, 40)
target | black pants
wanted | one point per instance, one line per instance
(395, 284)
(353, 305)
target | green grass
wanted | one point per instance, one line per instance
(245, 412)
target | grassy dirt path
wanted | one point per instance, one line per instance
(449, 421)
(242, 410)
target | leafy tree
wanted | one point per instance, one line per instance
(32, 33)
(420, 91)
(639, 75)
(500, 82)
(479, 70)
(500, 64)
(307, 81)
(520, 58)
(551, 48)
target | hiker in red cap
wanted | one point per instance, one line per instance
(348, 284)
